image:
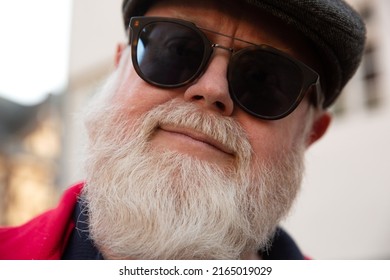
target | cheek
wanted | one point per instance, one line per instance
(135, 97)
(269, 139)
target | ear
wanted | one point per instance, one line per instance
(118, 54)
(319, 127)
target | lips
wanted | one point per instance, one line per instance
(198, 136)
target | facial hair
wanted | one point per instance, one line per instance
(145, 203)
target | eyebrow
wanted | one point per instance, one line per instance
(285, 50)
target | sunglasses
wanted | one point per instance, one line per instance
(263, 81)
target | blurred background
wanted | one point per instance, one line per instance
(55, 54)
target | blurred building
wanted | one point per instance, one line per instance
(30, 152)
(343, 211)
(40, 145)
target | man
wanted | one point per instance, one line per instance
(196, 142)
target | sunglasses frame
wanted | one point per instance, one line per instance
(310, 77)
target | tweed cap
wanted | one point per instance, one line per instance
(336, 30)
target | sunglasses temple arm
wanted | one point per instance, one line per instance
(318, 97)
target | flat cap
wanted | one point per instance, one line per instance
(334, 27)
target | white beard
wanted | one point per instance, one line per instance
(145, 203)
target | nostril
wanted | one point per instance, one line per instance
(198, 97)
(220, 105)
(217, 104)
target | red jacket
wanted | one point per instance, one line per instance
(46, 236)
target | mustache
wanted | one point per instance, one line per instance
(224, 130)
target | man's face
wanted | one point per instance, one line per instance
(211, 93)
(184, 169)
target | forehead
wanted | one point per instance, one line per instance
(240, 20)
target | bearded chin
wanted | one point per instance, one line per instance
(145, 203)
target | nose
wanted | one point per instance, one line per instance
(211, 90)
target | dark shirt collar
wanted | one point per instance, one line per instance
(80, 246)
(282, 247)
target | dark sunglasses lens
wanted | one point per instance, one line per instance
(169, 54)
(264, 83)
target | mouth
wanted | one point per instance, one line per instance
(196, 137)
